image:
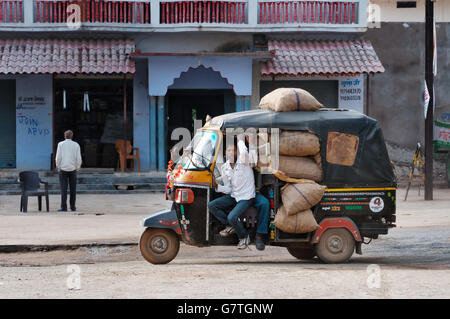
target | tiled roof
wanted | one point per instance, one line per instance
(21, 56)
(294, 58)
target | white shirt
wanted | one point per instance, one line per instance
(239, 181)
(68, 156)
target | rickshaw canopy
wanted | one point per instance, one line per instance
(371, 166)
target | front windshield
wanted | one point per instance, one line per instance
(199, 154)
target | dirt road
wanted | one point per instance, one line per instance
(409, 263)
(412, 261)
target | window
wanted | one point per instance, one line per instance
(342, 148)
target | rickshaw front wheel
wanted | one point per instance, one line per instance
(159, 245)
(335, 246)
(306, 253)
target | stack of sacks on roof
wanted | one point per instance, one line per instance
(299, 163)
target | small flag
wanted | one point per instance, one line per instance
(434, 48)
(426, 97)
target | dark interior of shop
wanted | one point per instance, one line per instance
(185, 106)
(93, 110)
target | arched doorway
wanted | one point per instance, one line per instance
(198, 92)
(184, 88)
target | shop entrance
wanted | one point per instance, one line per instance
(93, 110)
(186, 106)
(8, 124)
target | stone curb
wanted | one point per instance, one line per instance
(44, 248)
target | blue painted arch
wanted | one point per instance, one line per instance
(164, 70)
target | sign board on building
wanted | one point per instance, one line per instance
(351, 93)
(442, 134)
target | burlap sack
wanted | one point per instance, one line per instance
(289, 99)
(302, 222)
(281, 176)
(299, 197)
(342, 148)
(299, 167)
(298, 143)
(318, 160)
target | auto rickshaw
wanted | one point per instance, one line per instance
(358, 204)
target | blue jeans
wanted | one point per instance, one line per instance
(262, 204)
(218, 206)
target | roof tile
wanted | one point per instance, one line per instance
(21, 56)
(294, 58)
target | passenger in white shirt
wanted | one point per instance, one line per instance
(239, 187)
(68, 161)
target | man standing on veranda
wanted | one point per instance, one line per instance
(68, 161)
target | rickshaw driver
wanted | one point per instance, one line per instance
(239, 187)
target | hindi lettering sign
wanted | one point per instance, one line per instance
(351, 93)
(442, 134)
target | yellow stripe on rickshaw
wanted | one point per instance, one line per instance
(360, 189)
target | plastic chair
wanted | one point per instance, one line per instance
(129, 155)
(30, 184)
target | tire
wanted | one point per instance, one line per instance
(335, 246)
(302, 252)
(159, 245)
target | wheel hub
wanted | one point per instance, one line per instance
(158, 244)
(335, 244)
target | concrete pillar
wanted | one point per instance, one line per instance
(252, 13)
(154, 12)
(256, 79)
(362, 13)
(162, 136)
(28, 12)
(141, 117)
(243, 103)
(152, 140)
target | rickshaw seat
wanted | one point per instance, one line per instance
(249, 218)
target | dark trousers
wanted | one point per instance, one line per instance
(218, 206)
(68, 178)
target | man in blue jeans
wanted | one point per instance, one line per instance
(239, 187)
(262, 205)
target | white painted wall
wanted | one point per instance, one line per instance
(390, 13)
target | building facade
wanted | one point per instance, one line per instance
(397, 95)
(110, 69)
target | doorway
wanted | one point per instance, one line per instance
(186, 106)
(8, 124)
(97, 123)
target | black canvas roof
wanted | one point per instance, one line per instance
(372, 166)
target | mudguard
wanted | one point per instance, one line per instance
(336, 222)
(163, 219)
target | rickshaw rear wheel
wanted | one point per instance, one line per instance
(159, 245)
(335, 246)
(305, 253)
